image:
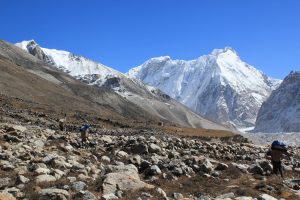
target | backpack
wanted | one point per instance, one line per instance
(278, 145)
(84, 127)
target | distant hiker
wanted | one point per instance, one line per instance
(275, 154)
(62, 123)
(84, 130)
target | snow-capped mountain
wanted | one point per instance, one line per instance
(281, 111)
(219, 86)
(77, 66)
(153, 103)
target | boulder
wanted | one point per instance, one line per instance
(255, 169)
(153, 148)
(124, 178)
(45, 178)
(6, 196)
(266, 197)
(206, 166)
(139, 149)
(79, 185)
(85, 195)
(110, 196)
(105, 159)
(136, 160)
(5, 182)
(221, 166)
(54, 192)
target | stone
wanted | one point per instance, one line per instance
(58, 173)
(71, 179)
(226, 195)
(154, 170)
(22, 179)
(242, 167)
(106, 139)
(124, 178)
(52, 192)
(45, 178)
(243, 198)
(41, 170)
(266, 197)
(105, 159)
(221, 166)
(39, 143)
(6, 196)
(255, 169)
(177, 171)
(5, 182)
(109, 196)
(206, 166)
(153, 148)
(265, 165)
(85, 195)
(161, 192)
(139, 149)
(79, 185)
(177, 196)
(122, 154)
(136, 160)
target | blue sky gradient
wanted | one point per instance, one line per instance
(123, 34)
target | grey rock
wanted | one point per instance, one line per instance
(5, 182)
(206, 166)
(221, 166)
(79, 185)
(124, 178)
(266, 197)
(85, 195)
(177, 196)
(226, 195)
(22, 179)
(153, 148)
(154, 170)
(139, 149)
(136, 160)
(45, 178)
(255, 169)
(105, 159)
(110, 196)
(52, 192)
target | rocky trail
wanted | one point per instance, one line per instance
(41, 163)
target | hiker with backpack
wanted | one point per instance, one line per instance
(84, 131)
(277, 151)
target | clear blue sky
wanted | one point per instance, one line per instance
(124, 33)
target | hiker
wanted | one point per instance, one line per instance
(62, 123)
(275, 154)
(84, 130)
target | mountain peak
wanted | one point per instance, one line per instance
(228, 50)
(27, 43)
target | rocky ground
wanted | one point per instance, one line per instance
(41, 163)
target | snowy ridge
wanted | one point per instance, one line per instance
(219, 86)
(77, 66)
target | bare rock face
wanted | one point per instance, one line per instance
(281, 112)
(35, 49)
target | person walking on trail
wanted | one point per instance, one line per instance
(84, 131)
(277, 151)
(62, 123)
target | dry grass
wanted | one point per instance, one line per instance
(198, 132)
